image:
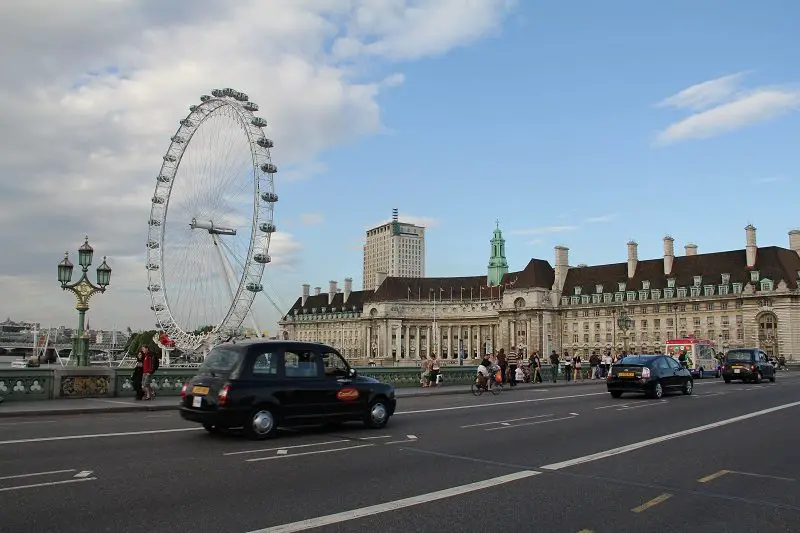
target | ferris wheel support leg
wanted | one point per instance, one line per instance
(228, 273)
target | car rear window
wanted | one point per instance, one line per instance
(739, 355)
(636, 360)
(221, 359)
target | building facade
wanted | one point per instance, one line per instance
(395, 249)
(739, 298)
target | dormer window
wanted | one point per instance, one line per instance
(565, 300)
(631, 296)
(698, 280)
(646, 285)
(682, 292)
(643, 295)
(766, 285)
(726, 278)
(585, 299)
(618, 296)
(577, 291)
(671, 283)
(737, 288)
(723, 290)
(599, 288)
(595, 298)
(754, 276)
(607, 298)
(621, 286)
(695, 292)
(708, 290)
(575, 300)
(655, 294)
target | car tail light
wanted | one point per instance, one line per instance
(184, 389)
(222, 397)
(752, 368)
(645, 373)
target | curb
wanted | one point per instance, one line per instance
(87, 411)
(444, 391)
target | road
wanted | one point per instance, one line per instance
(567, 459)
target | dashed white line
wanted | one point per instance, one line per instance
(262, 450)
(34, 474)
(497, 404)
(530, 423)
(50, 484)
(504, 422)
(83, 474)
(98, 435)
(316, 452)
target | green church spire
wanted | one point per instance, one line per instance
(498, 266)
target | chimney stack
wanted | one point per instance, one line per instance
(691, 249)
(317, 291)
(380, 277)
(562, 266)
(306, 292)
(794, 240)
(669, 254)
(331, 291)
(751, 246)
(348, 288)
(633, 258)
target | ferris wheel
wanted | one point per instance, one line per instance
(211, 221)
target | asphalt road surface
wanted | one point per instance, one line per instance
(567, 459)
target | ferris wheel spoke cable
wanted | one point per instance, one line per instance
(277, 308)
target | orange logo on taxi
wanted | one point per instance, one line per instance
(347, 395)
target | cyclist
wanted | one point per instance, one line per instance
(484, 373)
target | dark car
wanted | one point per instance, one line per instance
(261, 385)
(747, 364)
(653, 375)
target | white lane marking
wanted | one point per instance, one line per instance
(26, 423)
(354, 514)
(664, 438)
(399, 442)
(504, 422)
(530, 423)
(331, 450)
(373, 438)
(97, 435)
(83, 474)
(412, 437)
(282, 452)
(262, 450)
(50, 473)
(613, 405)
(574, 414)
(50, 484)
(112, 401)
(496, 404)
(662, 402)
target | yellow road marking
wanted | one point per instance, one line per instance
(713, 476)
(652, 503)
(721, 473)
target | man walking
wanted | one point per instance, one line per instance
(512, 368)
(554, 361)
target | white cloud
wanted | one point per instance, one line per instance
(706, 94)
(545, 230)
(312, 219)
(734, 109)
(602, 218)
(534, 242)
(90, 93)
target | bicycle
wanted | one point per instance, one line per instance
(483, 384)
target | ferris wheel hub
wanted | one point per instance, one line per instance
(211, 228)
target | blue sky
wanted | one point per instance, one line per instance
(552, 125)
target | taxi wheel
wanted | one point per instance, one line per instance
(688, 387)
(757, 378)
(658, 391)
(377, 416)
(262, 423)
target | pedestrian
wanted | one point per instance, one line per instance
(136, 376)
(147, 373)
(502, 362)
(512, 368)
(594, 365)
(567, 366)
(576, 363)
(536, 364)
(554, 362)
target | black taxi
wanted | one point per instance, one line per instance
(653, 375)
(261, 385)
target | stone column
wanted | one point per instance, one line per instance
(408, 341)
(469, 342)
(418, 342)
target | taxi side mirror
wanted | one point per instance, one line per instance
(352, 372)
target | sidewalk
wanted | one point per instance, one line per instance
(170, 403)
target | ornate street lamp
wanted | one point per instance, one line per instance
(625, 323)
(83, 289)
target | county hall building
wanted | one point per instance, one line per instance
(737, 298)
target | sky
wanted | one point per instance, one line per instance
(584, 124)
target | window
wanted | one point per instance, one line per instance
(618, 296)
(586, 337)
(646, 285)
(221, 359)
(710, 306)
(708, 290)
(585, 313)
(726, 278)
(723, 305)
(723, 290)
(265, 365)
(595, 298)
(671, 283)
(598, 289)
(300, 364)
(597, 325)
(585, 326)
(698, 280)
(737, 288)
(754, 276)
(575, 338)
(596, 337)
(565, 300)
(335, 365)
(726, 321)
(643, 295)
(669, 293)
(577, 291)
(657, 323)
(575, 300)
(655, 294)
(631, 296)
(697, 322)
(710, 321)
(644, 324)
(607, 298)
(621, 286)
(682, 292)
(695, 292)
(766, 285)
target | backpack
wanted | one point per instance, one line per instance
(156, 362)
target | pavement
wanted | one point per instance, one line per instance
(74, 406)
(551, 458)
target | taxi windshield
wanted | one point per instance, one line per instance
(636, 360)
(221, 359)
(739, 355)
